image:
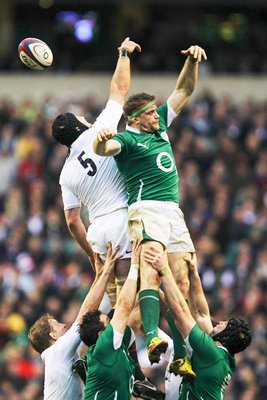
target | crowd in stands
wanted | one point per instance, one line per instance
(221, 153)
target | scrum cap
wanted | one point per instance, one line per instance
(236, 336)
(67, 128)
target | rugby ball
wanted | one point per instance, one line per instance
(35, 53)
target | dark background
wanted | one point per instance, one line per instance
(233, 33)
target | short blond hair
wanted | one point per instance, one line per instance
(38, 334)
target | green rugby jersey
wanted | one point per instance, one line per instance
(110, 373)
(213, 365)
(147, 163)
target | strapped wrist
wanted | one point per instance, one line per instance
(164, 271)
(134, 272)
(123, 53)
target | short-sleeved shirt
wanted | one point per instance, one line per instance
(89, 179)
(60, 382)
(147, 163)
(110, 373)
(213, 365)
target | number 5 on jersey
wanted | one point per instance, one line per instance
(87, 163)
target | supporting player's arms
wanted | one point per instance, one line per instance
(96, 292)
(197, 300)
(175, 300)
(126, 300)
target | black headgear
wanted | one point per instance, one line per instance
(236, 336)
(67, 128)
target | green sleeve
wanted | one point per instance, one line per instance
(203, 345)
(126, 142)
(104, 344)
(127, 336)
(163, 117)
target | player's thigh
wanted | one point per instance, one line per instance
(178, 265)
(148, 275)
(179, 245)
(179, 240)
(149, 221)
(112, 228)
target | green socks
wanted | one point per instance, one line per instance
(150, 309)
(178, 341)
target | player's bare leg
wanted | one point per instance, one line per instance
(181, 364)
(180, 271)
(149, 304)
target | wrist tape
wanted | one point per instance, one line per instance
(134, 272)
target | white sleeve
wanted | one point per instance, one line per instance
(109, 117)
(69, 342)
(117, 338)
(70, 200)
(171, 115)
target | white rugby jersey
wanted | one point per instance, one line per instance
(91, 179)
(60, 382)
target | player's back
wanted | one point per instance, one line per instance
(95, 180)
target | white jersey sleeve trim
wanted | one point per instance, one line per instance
(117, 339)
(189, 349)
(171, 115)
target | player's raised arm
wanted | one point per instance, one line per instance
(175, 300)
(188, 77)
(197, 300)
(96, 293)
(121, 79)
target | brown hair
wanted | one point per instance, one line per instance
(135, 102)
(38, 334)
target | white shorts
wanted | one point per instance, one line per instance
(112, 228)
(161, 221)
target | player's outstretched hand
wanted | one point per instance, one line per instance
(112, 257)
(105, 134)
(130, 46)
(156, 258)
(136, 250)
(196, 52)
(191, 261)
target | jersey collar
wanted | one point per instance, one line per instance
(129, 128)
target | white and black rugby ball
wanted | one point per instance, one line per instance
(35, 53)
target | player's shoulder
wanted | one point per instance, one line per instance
(125, 136)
